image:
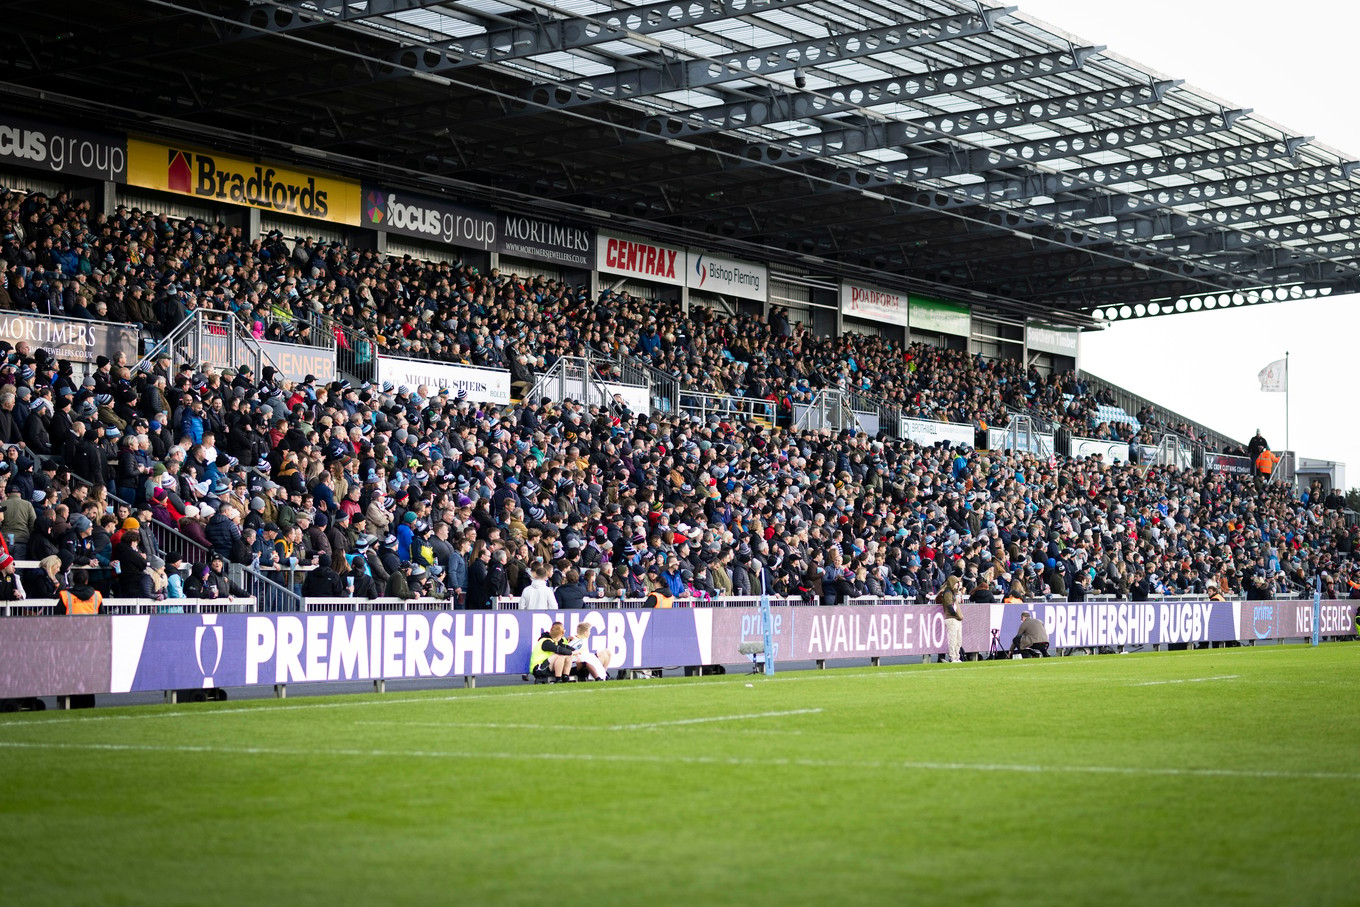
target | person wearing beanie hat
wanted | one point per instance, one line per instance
(11, 589)
(153, 583)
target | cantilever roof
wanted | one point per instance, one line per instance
(950, 146)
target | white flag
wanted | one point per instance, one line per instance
(1274, 377)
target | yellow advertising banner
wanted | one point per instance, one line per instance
(222, 178)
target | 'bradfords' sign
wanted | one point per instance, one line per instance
(874, 304)
(422, 217)
(544, 240)
(61, 149)
(71, 338)
(711, 274)
(220, 178)
(648, 261)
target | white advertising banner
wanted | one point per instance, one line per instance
(924, 431)
(295, 362)
(1046, 338)
(711, 274)
(644, 260)
(1108, 450)
(1001, 439)
(483, 385)
(874, 304)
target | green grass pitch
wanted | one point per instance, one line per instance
(1211, 777)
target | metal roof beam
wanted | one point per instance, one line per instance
(979, 160)
(499, 45)
(1159, 199)
(781, 107)
(873, 136)
(623, 84)
(1141, 169)
(281, 16)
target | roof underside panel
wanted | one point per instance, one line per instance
(950, 146)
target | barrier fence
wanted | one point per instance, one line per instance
(141, 651)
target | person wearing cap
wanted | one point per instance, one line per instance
(19, 517)
(398, 585)
(1031, 641)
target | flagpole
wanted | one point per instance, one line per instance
(1286, 403)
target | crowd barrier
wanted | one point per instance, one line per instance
(138, 652)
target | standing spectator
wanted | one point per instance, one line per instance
(81, 598)
(19, 517)
(948, 600)
(538, 597)
(571, 595)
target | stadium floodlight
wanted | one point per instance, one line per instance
(1154, 308)
(1140, 310)
(1125, 312)
(1238, 299)
(1182, 305)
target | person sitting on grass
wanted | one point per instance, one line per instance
(589, 665)
(551, 658)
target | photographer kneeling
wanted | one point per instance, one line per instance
(1032, 640)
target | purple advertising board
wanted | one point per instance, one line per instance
(45, 656)
(165, 652)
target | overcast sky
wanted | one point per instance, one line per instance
(1292, 64)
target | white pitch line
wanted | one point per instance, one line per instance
(658, 759)
(1158, 683)
(578, 727)
(747, 717)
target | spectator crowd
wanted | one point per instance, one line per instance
(378, 489)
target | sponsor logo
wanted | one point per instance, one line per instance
(62, 153)
(640, 258)
(208, 654)
(261, 186)
(701, 269)
(1263, 620)
(375, 204)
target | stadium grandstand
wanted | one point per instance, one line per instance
(384, 306)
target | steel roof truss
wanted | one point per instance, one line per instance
(781, 107)
(626, 83)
